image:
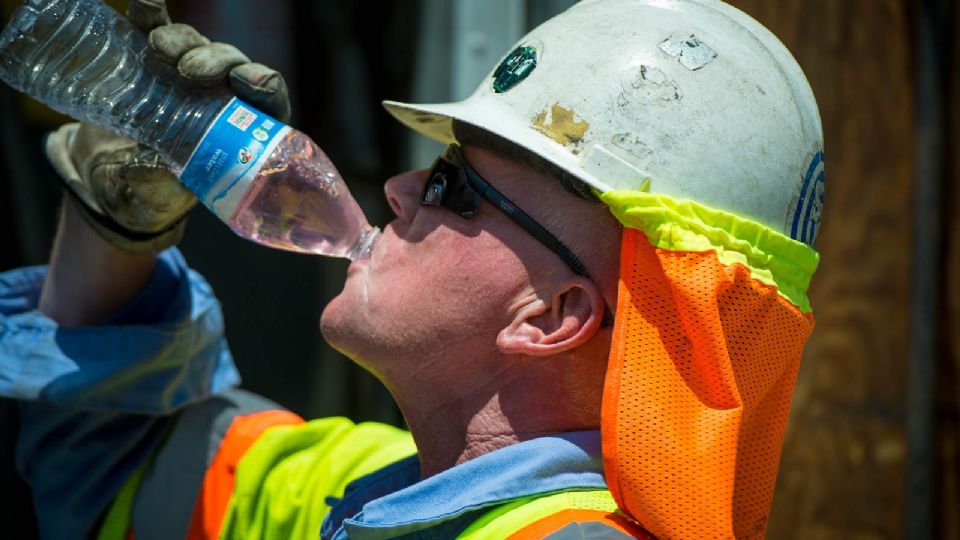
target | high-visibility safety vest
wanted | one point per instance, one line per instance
(268, 474)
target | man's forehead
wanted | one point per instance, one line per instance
(514, 176)
(469, 135)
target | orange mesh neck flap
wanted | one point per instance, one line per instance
(701, 372)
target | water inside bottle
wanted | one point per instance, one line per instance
(84, 59)
(299, 202)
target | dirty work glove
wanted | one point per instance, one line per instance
(126, 192)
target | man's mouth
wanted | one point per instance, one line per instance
(364, 260)
(357, 265)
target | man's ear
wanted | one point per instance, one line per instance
(565, 320)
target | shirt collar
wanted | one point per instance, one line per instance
(393, 501)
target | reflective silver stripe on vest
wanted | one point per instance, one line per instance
(590, 530)
(168, 494)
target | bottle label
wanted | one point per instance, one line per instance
(231, 152)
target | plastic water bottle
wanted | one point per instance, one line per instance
(269, 182)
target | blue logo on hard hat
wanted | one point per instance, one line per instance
(516, 67)
(806, 217)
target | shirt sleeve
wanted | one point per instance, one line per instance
(96, 401)
(163, 350)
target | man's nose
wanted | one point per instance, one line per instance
(403, 193)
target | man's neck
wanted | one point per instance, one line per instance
(503, 413)
(445, 440)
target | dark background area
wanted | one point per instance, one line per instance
(341, 58)
(873, 445)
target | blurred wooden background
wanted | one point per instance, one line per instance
(846, 465)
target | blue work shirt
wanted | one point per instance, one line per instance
(160, 352)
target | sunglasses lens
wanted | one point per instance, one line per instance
(447, 187)
(435, 188)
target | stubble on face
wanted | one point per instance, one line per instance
(436, 286)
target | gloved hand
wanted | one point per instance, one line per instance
(127, 193)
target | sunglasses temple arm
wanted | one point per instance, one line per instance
(521, 218)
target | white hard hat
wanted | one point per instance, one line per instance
(687, 98)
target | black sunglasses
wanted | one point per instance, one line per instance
(455, 185)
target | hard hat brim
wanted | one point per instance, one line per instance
(435, 121)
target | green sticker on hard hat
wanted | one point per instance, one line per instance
(516, 67)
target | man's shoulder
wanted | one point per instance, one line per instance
(246, 454)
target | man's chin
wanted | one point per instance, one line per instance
(340, 327)
(332, 321)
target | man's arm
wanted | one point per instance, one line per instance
(98, 400)
(89, 278)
